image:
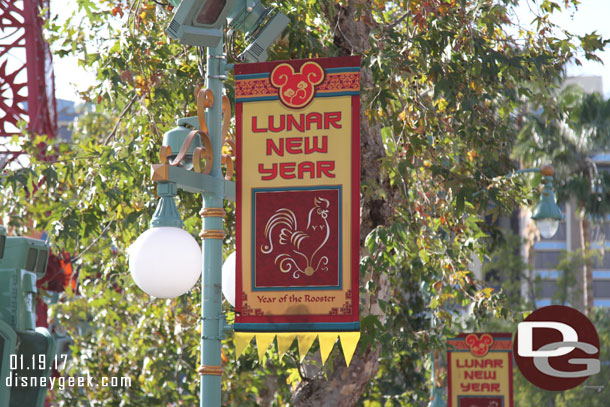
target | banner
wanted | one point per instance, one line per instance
(298, 203)
(480, 370)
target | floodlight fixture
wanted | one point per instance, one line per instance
(261, 26)
(199, 22)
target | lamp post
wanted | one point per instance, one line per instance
(174, 270)
(436, 394)
(147, 261)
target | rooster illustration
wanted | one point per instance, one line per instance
(305, 244)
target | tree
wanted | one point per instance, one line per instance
(569, 142)
(507, 269)
(441, 82)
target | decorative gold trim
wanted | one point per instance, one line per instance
(204, 152)
(547, 171)
(159, 172)
(210, 370)
(164, 153)
(185, 147)
(212, 234)
(212, 212)
(227, 138)
(227, 160)
(226, 118)
(205, 99)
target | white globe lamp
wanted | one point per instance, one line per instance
(165, 261)
(228, 278)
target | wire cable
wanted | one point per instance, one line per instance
(201, 61)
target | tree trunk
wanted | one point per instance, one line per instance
(587, 267)
(344, 386)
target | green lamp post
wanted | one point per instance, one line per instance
(166, 261)
(437, 391)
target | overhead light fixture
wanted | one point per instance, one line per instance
(199, 22)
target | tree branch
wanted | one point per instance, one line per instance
(123, 113)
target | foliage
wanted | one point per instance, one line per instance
(506, 270)
(568, 266)
(443, 81)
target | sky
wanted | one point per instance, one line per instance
(592, 15)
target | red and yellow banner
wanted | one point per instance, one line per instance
(480, 370)
(298, 203)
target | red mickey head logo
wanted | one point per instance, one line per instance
(479, 345)
(297, 89)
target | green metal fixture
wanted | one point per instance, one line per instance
(437, 390)
(25, 260)
(436, 394)
(546, 214)
(166, 213)
(175, 137)
(25, 350)
(200, 22)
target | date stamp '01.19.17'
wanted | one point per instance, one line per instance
(23, 374)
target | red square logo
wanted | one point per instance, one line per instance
(480, 401)
(297, 235)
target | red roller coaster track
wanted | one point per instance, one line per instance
(27, 90)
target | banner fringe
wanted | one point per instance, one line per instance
(305, 342)
(349, 342)
(284, 340)
(263, 340)
(242, 340)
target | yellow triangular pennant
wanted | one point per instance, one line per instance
(327, 341)
(284, 340)
(305, 342)
(349, 341)
(242, 340)
(263, 340)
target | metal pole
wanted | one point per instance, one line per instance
(213, 322)
(436, 393)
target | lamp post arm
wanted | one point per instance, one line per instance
(194, 182)
(546, 171)
(523, 171)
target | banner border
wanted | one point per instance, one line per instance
(498, 336)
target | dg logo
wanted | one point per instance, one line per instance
(556, 348)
